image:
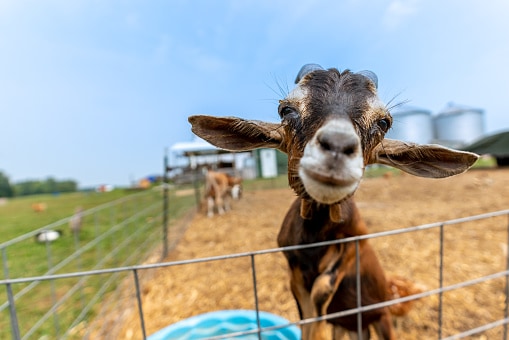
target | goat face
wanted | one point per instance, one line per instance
(335, 120)
(332, 126)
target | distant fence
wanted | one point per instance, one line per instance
(87, 285)
(116, 234)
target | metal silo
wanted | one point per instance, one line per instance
(458, 125)
(411, 124)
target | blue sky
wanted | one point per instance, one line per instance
(95, 90)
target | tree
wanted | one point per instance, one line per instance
(6, 189)
(48, 186)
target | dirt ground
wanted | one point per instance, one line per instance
(471, 250)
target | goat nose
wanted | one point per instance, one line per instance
(338, 142)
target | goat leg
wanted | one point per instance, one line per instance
(327, 283)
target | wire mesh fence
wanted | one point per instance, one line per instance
(67, 295)
(55, 307)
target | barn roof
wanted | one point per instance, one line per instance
(196, 147)
(495, 144)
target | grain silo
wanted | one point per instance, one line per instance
(411, 124)
(458, 125)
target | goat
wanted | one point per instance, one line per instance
(39, 207)
(219, 189)
(76, 221)
(332, 126)
(48, 236)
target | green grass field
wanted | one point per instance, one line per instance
(114, 234)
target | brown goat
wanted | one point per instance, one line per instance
(39, 207)
(332, 126)
(220, 189)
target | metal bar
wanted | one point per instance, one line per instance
(173, 264)
(255, 290)
(98, 252)
(480, 329)
(138, 298)
(358, 287)
(53, 290)
(10, 298)
(79, 266)
(350, 239)
(441, 282)
(196, 184)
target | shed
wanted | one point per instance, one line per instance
(496, 145)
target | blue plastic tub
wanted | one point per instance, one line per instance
(226, 322)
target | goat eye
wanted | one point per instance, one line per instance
(384, 124)
(286, 111)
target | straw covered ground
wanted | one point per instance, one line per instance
(471, 250)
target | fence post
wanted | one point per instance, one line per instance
(10, 296)
(358, 286)
(53, 289)
(196, 184)
(255, 290)
(165, 205)
(506, 309)
(441, 282)
(140, 306)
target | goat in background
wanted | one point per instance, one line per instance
(220, 189)
(76, 221)
(332, 126)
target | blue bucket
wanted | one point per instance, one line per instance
(225, 322)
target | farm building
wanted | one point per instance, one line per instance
(412, 124)
(455, 126)
(496, 145)
(458, 125)
(185, 157)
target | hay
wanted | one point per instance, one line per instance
(471, 250)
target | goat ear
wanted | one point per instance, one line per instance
(433, 161)
(236, 134)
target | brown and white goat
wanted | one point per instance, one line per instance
(220, 188)
(332, 126)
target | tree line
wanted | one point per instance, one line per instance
(33, 187)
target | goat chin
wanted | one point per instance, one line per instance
(327, 194)
(327, 190)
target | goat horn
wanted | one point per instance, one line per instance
(308, 68)
(371, 76)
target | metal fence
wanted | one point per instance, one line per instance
(115, 234)
(71, 280)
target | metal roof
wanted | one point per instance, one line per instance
(197, 147)
(496, 144)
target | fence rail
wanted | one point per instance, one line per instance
(51, 276)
